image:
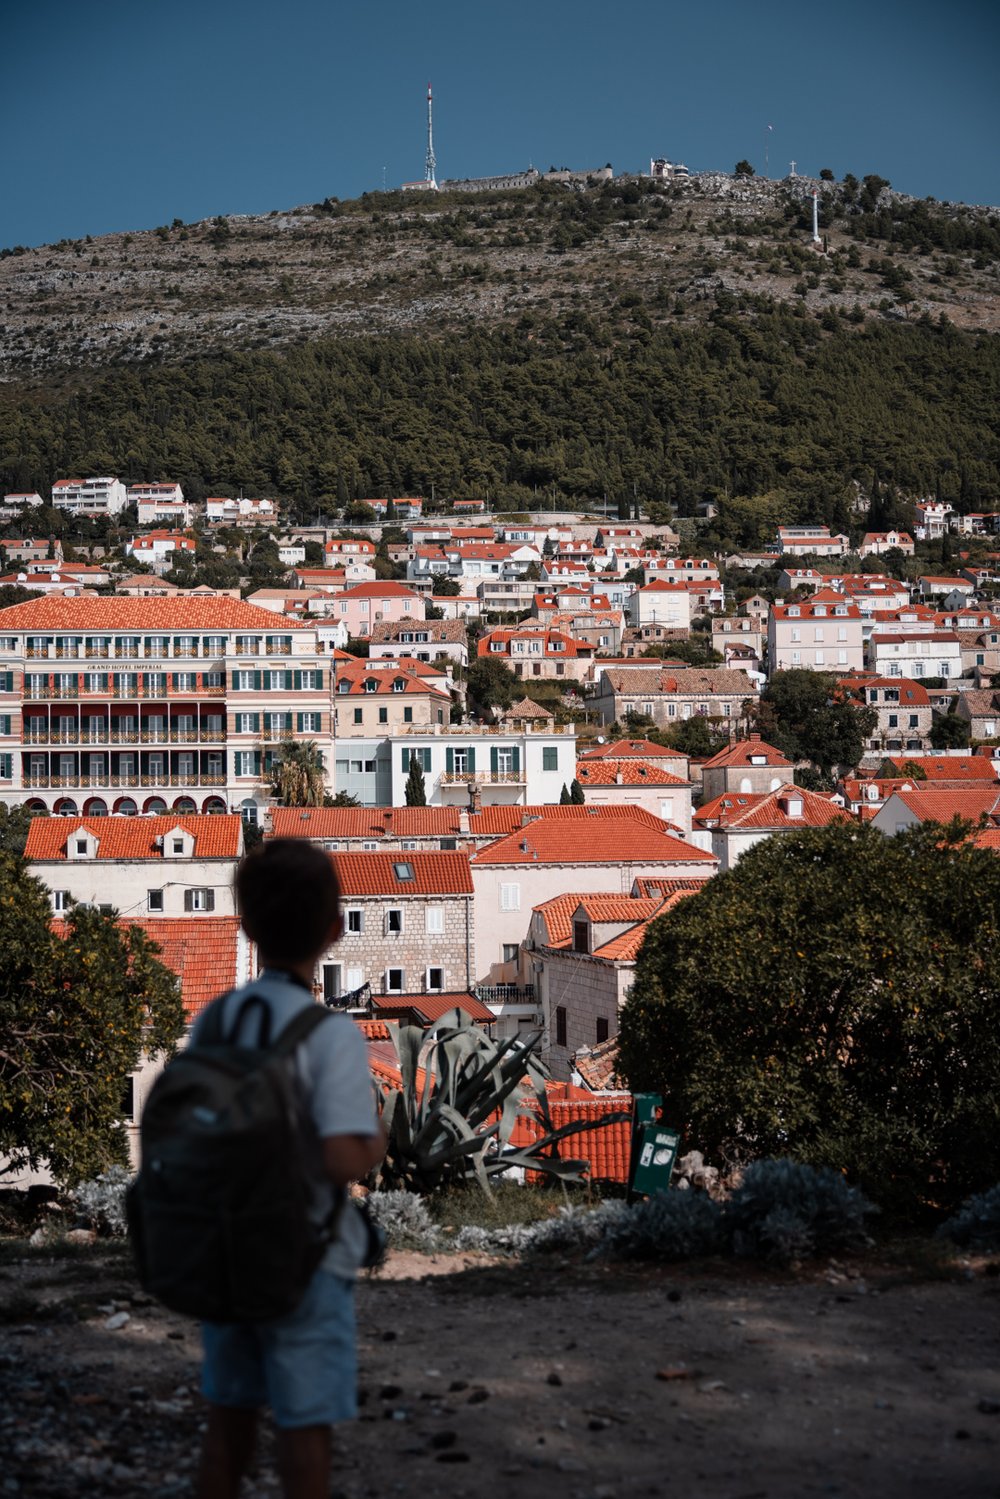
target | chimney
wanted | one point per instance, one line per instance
(475, 800)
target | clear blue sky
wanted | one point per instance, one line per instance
(122, 114)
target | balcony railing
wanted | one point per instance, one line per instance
(505, 994)
(483, 777)
(104, 778)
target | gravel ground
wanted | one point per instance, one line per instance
(590, 1382)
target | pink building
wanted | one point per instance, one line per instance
(368, 604)
(823, 633)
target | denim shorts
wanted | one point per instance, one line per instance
(304, 1366)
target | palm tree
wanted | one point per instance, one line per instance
(296, 773)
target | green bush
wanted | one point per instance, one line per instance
(835, 998)
(785, 1211)
(976, 1225)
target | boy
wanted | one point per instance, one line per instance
(303, 1365)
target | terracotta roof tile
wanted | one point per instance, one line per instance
(933, 804)
(123, 838)
(744, 750)
(626, 773)
(428, 1008)
(364, 822)
(201, 950)
(629, 749)
(950, 767)
(121, 613)
(597, 840)
(745, 811)
(376, 874)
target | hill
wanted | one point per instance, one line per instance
(669, 345)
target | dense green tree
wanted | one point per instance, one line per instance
(743, 169)
(948, 731)
(836, 998)
(415, 790)
(297, 778)
(76, 1011)
(698, 735)
(491, 683)
(14, 825)
(446, 588)
(576, 795)
(564, 797)
(807, 718)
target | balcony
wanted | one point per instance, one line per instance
(483, 777)
(505, 994)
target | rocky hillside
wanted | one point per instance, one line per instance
(631, 255)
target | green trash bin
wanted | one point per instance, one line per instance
(654, 1147)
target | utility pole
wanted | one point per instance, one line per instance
(430, 161)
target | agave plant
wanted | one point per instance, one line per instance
(452, 1118)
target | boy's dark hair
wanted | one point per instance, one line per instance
(288, 895)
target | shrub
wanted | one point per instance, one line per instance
(404, 1219)
(977, 1224)
(835, 998)
(670, 1225)
(101, 1202)
(784, 1211)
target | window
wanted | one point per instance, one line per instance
(434, 922)
(894, 720)
(154, 900)
(358, 715)
(581, 936)
(407, 715)
(560, 1025)
(60, 900)
(510, 897)
(81, 845)
(199, 900)
(403, 871)
(383, 715)
(354, 920)
(550, 757)
(434, 980)
(330, 973)
(395, 980)
(602, 1029)
(394, 921)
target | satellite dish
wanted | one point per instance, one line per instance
(601, 739)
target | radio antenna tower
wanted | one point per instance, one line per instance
(430, 163)
(817, 242)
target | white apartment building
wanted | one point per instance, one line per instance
(154, 704)
(931, 653)
(89, 496)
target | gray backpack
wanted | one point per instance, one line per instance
(219, 1213)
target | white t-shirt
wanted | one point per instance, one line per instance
(333, 1066)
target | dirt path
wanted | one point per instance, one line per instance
(557, 1380)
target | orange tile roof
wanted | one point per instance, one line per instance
(626, 773)
(627, 749)
(558, 912)
(375, 874)
(596, 840)
(745, 811)
(499, 821)
(933, 804)
(121, 613)
(364, 822)
(428, 1008)
(951, 767)
(740, 753)
(123, 838)
(606, 1147)
(372, 1030)
(201, 950)
(378, 591)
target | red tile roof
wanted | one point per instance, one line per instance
(746, 812)
(606, 1147)
(201, 950)
(364, 822)
(625, 773)
(428, 1008)
(595, 840)
(628, 749)
(378, 591)
(950, 767)
(558, 912)
(375, 874)
(123, 838)
(740, 754)
(143, 614)
(933, 804)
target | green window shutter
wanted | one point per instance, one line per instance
(493, 759)
(255, 723)
(173, 678)
(405, 759)
(4, 723)
(299, 722)
(470, 758)
(6, 681)
(449, 760)
(6, 766)
(516, 760)
(297, 681)
(236, 680)
(256, 681)
(288, 678)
